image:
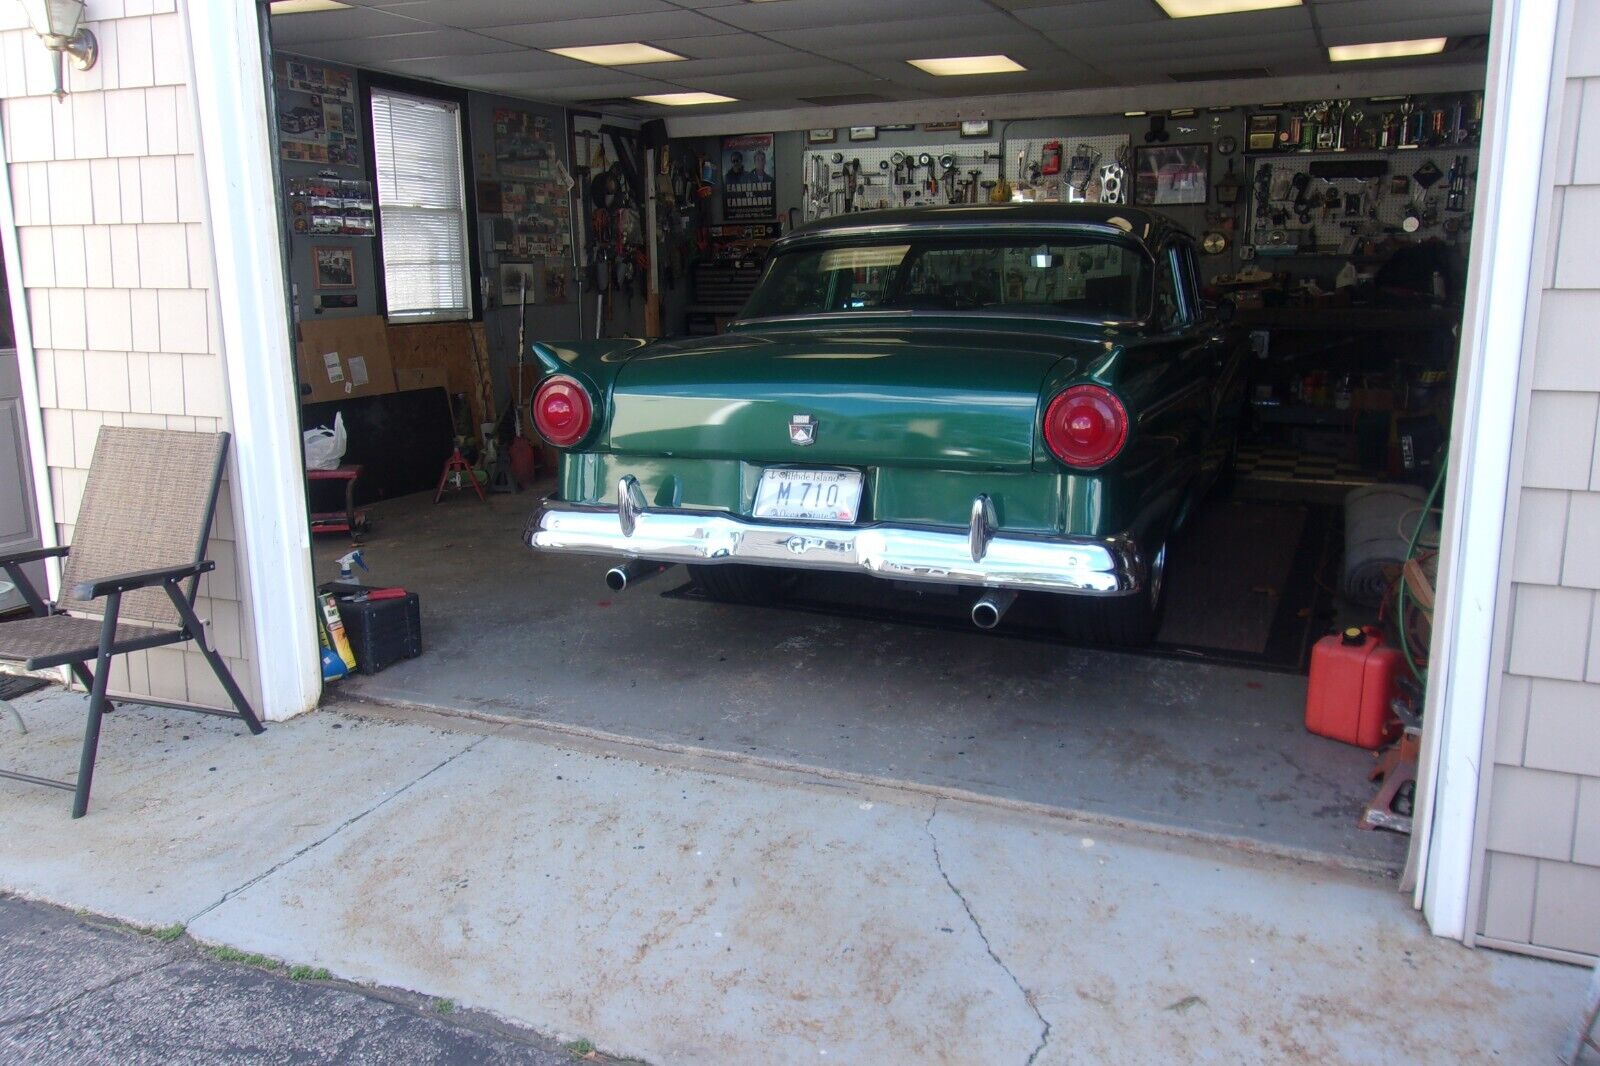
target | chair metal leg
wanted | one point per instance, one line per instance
(97, 702)
(197, 629)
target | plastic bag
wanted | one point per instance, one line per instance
(324, 447)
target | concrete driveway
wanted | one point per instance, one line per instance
(690, 908)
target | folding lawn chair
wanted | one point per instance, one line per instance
(139, 548)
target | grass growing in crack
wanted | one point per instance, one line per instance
(309, 973)
(168, 934)
(444, 1006)
(580, 1048)
(223, 953)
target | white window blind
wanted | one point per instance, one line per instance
(421, 206)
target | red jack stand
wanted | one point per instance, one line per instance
(456, 466)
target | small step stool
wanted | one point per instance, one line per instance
(457, 467)
(348, 520)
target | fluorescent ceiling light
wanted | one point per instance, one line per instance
(1427, 46)
(617, 55)
(685, 99)
(955, 65)
(302, 7)
(1188, 9)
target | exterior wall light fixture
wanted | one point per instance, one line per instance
(57, 22)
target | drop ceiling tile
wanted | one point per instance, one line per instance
(519, 61)
(395, 46)
(477, 14)
(608, 30)
(1054, 15)
(319, 26)
(728, 46)
(689, 70)
(810, 14)
(1244, 24)
(1451, 26)
(1349, 12)
(948, 35)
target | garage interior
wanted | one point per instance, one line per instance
(1337, 225)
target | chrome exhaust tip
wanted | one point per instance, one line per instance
(992, 606)
(625, 575)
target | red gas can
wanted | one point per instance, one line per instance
(1354, 675)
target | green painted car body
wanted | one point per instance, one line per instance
(936, 407)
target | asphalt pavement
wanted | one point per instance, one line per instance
(82, 991)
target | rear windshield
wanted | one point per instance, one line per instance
(1076, 277)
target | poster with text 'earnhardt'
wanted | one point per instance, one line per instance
(749, 193)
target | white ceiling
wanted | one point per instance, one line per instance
(803, 53)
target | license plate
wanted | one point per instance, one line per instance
(809, 495)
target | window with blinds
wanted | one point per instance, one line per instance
(416, 145)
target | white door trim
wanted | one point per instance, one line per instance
(234, 150)
(32, 416)
(1463, 668)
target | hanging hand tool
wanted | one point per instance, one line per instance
(524, 459)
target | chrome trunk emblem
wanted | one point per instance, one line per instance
(802, 430)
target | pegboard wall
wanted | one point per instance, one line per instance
(828, 188)
(1276, 227)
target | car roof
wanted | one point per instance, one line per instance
(1148, 228)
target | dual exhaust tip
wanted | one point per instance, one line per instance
(986, 611)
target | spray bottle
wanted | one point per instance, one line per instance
(347, 563)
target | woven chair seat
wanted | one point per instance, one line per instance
(61, 634)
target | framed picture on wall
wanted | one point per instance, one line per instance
(975, 127)
(333, 268)
(515, 278)
(863, 133)
(827, 136)
(1169, 174)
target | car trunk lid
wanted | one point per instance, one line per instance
(944, 398)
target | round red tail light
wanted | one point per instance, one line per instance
(1085, 426)
(561, 411)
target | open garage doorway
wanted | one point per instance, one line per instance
(1329, 205)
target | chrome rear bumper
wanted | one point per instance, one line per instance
(980, 556)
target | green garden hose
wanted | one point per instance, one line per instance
(1400, 598)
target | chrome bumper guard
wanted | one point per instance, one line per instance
(980, 556)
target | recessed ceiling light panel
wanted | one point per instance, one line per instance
(1188, 9)
(1426, 46)
(685, 99)
(618, 55)
(303, 7)
(955, 65)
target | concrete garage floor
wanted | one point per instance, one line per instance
(690, 909)
(1194, 747)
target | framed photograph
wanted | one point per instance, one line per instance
(333, 268)
(1172, 174)
(976, 127)
(863, 133)
(827, 136)
(1262, 133)
(513, 276)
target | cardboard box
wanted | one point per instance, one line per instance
(420, 377)
(344, 358)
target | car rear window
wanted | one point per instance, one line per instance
(1075, 277)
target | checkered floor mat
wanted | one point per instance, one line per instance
(1263, 463)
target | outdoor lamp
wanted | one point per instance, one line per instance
(57, 24)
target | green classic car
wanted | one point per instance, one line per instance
(1003, 398)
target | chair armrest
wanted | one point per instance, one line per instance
(93, 590)
(32, 555)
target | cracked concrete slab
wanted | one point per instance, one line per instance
(1188, 957)
(188, 807)
(688, 916)
(692, 909)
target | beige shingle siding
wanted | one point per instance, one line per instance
(1541, 873)
(116, 267)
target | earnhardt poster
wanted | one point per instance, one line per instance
(749, 193)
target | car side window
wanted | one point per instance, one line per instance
(1168, 304)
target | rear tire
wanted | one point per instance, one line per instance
(738, 583)
(1122, 621)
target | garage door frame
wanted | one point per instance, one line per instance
(234, 132)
